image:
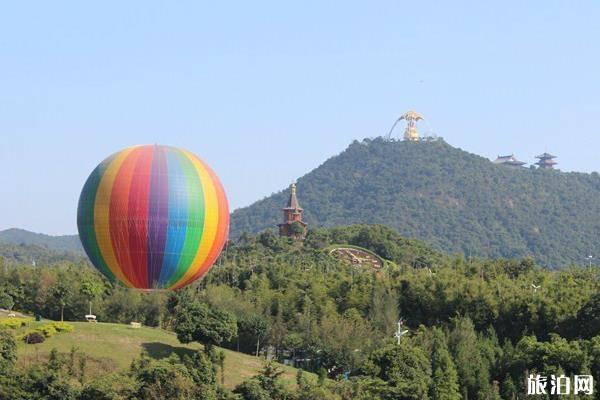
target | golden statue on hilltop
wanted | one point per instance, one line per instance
(411, 117)
(410, 133)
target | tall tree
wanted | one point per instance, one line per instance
(473, 370)
(61, 292)
(405, 368)
(444, 378)
(588, 318)
(91, 289)
(195, 321)
(256, 327)
(383, 310)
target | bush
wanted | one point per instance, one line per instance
(50, 329)
(47, 330)
(8, 351)
(113, 386)
(34, 338)
(15, 323)
(62, 327)
(251, 390)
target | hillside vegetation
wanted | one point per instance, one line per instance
(113, 347)
(478, 324)
(475, 327)
(453, 200)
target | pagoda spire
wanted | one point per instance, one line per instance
(293, 203)
(292, 225)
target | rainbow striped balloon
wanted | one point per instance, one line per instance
(153, 217)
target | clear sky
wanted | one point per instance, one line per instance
(266, 91)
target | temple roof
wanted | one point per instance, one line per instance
(546, 161)
(293, 203)
(510, 160)
(545, 155)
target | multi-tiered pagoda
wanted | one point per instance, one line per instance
(292, 225)
(546, 161)
(509, 161)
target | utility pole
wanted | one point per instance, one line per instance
(399, 333)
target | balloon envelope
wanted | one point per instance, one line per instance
(153, 217)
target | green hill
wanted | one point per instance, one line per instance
(68, 243)
(32, 254)
(112, 347)
(456, 201)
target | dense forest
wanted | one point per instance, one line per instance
(453, 200)
(476, 327)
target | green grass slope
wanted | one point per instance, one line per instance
(456, 201)
(112, 347)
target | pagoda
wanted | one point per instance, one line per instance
(509, 161)
(292, 225)
(546, 161)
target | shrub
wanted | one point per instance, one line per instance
(62, 327)
(47, 330)
(15, 323)
(250, 389)
(50, 329)
(34, 338)
(113, 386)
(8, 351)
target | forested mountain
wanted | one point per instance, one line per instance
(453, 200)
(32, 254)
(69, 243)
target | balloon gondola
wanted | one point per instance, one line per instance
(153, 217)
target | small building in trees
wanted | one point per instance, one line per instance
(509, 161)
(292, 225)
(546, 161)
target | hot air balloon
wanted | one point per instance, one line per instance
(153, 217)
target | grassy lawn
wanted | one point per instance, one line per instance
(112, 347)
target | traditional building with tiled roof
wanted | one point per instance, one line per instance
(509, 161)
(546, 161)
(292, 225)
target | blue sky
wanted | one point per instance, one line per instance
(241, 84)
